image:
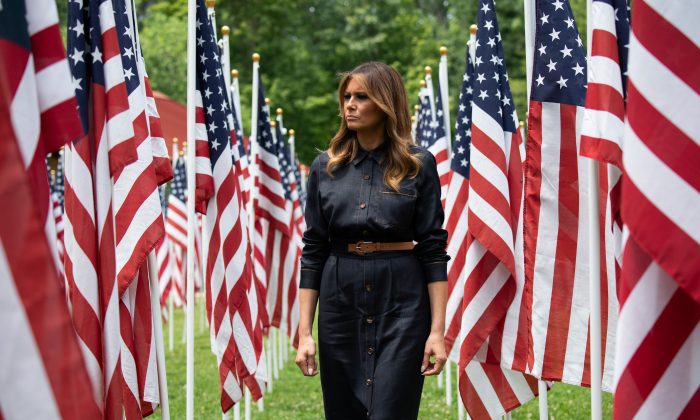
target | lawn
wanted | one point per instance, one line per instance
(297, 397)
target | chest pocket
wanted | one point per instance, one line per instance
(395, 208)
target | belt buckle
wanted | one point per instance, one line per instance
(359, 247)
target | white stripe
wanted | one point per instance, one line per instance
(671, 194)
(662, 88)
(484, 389)
(493, 174)
(518, 385)
(604, 71)
(603, 17)
(51, 85)
(24, 113)
(40, 15)
(604, 125)
(26, 390)
(684, 16)
(677, 385)
(640, 312)
(548, 225)
(492, 128)
(482, 209)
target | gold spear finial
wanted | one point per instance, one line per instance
(413, 118)
(280, 111)
(472, 29)
(428, 70)
(256, 57)
(273, 124)
(225, 30)
(522, 124)
(175, 140)
(234, 73)
(423, 84)
(291, 132)
(443, 50)
(416, 108)
(211, 4)
(267, 101)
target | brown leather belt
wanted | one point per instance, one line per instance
(362, 248)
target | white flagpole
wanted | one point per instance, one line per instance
(445, 98)
(431, 92)
(212, 15)
(253, 143)
(171, 305)
(225, 31)
(236, 97)
(594, 261)
(158, 329)
(248, 403)
(237, 411)
(414, 121)
(191, 57)
(460, 405)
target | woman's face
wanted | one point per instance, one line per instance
(360, 112)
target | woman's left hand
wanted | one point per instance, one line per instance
(435, 347)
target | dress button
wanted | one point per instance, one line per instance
(370, 350)
(368, 382)
(368, 287)
(363, 205)
(370, 320)
(366, 177)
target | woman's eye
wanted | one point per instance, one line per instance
(346, 96)
(361, 96)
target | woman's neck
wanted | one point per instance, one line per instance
(372, 138)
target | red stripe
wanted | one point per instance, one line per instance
(602, 97)
(110, 44)
(500, 384)
(667, 44)
(604, 44)
(492, 242)
(565, 258)
(601, 149)
(489, 149)
(489, 193)
(470, 397)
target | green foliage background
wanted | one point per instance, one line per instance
(305, 44)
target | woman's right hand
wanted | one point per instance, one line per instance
(306, 356)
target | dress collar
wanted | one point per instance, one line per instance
(377, 153)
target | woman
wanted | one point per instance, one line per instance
(381, 298)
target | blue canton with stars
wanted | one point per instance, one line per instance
(559, 69)
(179, 188)
(463, 125)
(283, 155)
(265, 139)
(210, 83)
(424, 130)
(491, 88)
(622, 30)
(126, 46)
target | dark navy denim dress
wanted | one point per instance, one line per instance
(374, 309)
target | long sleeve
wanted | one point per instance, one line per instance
(429, 216)
(316, 239)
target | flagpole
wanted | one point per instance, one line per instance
(594, 261)
(431, 91)
(445, 97)
(460, 404)
(211, 14)
(225, 31)
(414, 121)
(158, 329)
(191, 61)
(171, 304)
(254, 142)
(236, 97)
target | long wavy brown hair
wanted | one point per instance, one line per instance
(385, 88)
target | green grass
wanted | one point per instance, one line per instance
(297, 397)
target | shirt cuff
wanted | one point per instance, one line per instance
(434, 271)
(311, 279)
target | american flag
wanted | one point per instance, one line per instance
(228, 268)
(424, 129)
(456, 212)
(491, 327)
(656, 360)
(240, 156)
(556, 208)
(113, 212)
(37, 115)
(176, 231)
(57, 194)
(603, 120)
(437, 144)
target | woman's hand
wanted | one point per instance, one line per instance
(435, 347)
(306, 355)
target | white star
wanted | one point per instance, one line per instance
(463, 162)
(578, 69)
(476, 45)
(566, 51)
(202, 58)
(200, 41)
(198, 23)
(578, 41)
(128, 53)
(494, 60)
(465, 120)
(478, 61)
(562, 82)
(480, 78)
(79, 28)
(210, 110)
(469, 90)
(223, 106)
(540, 80)
(460, 150)
(458, 137)
(486, 8)
(554, 34)
(569, 22)
(542, 49)
(465, 77)
(488, 25)
(496, 76)
(469, 134)
(77, 83)
(462, 108)
(220, 91)
(215, 144)
(267, 143)
(127, 32)
(77, 56)
(128, 74)
(505, 101)
(205, 75)
(483, 95)
(552, 65)
(544, 19)
(212, 127)
(492, 42)
(558, 5)
(207, 93)
(498, 93)
(96, 55)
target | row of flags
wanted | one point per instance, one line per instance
(518, 218)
